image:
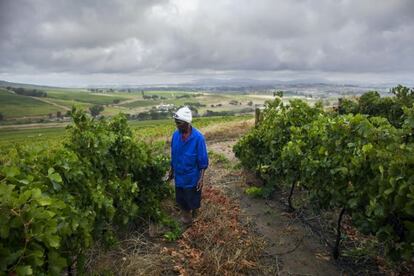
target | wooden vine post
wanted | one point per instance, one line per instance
(257, 117)
(338, 235)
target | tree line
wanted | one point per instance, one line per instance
(27, 91)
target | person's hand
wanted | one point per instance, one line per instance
(200, 184)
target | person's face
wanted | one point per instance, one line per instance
(181, 125)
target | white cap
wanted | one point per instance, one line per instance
(183, 114)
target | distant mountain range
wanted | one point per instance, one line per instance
(254, 85)
(237, 84)
(23, 85)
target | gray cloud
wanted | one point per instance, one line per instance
(193, 36)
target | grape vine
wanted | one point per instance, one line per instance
(54, 203)
(362, 164)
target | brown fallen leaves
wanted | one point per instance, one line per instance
(217, 243)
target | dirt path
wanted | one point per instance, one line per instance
(227, 236)
(52, 103)
(128, 101)
(294, 248)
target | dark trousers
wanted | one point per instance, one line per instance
(188, 198)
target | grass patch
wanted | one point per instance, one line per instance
(152, 130)
(44, 137)
(84, 96)
(229, 130)
(136, 254)
(219, 159)
(141, 103)
(254, 192)
(21, 135)
(14, 106)
(70, 103)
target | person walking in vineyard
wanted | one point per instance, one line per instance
(189, 160)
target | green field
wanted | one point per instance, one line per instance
(141, 103)
(84, 96)
(18, 109)
(207, 100)
(70, 103)
(54, 136)
(12, 136)
(166, 94)
(12, 106)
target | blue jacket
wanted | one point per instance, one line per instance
(188, 158)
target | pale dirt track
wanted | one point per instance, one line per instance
(52, 103)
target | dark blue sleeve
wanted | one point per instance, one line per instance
(202, 158)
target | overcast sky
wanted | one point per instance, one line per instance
(63, 42)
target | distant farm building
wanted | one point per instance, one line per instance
(165, 107)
